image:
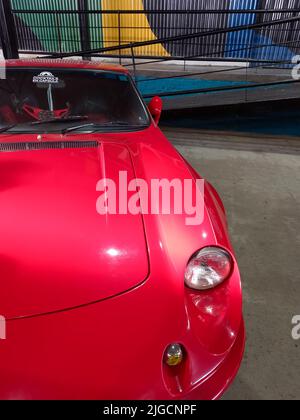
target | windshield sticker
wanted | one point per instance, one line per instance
(46, 77)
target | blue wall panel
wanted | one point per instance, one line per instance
(239, 43)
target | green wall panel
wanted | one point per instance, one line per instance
(55, 31)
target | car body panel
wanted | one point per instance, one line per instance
(108, 351)
(56, 252)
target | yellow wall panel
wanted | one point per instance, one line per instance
(134, 28)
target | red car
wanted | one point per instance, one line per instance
(106, 304)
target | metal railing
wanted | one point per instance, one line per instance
(269, 33)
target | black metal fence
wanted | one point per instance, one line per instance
(257, 31)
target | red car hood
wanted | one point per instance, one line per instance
(56, 251)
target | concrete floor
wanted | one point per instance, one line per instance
(261, 192)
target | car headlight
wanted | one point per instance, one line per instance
(208, 268)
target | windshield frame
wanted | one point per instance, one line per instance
(61, 125)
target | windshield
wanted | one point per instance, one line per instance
(32, 99)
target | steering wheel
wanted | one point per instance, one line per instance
(43, 114)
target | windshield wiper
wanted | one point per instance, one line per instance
(99, 125)
(50, 121)
(61, 120)
(116, 123)
(121, 124)
(78, 127)
(7, 128)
